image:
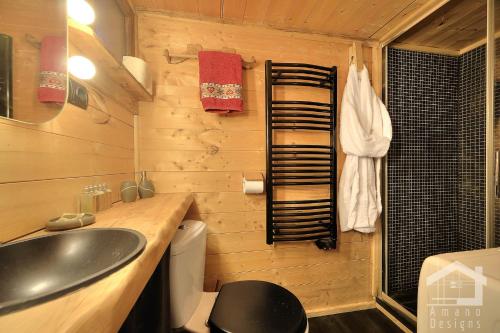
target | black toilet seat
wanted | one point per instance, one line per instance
(256, 307)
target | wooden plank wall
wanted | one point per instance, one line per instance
(185, 149)
(44, 167)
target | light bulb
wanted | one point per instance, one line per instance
(81, 11)
(81, 67)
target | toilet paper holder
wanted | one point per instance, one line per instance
(253, 183)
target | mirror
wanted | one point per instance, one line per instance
(33, 54)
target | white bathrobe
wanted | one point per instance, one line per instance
(365, 135)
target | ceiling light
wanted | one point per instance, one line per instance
(81, 11)
(81, 67)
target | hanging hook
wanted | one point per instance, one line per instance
(356, 55)
(33, 41)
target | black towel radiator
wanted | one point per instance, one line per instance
(301, 164)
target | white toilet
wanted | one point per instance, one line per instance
(239, 307)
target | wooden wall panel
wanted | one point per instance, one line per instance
(42, 173)
(185, 149)
(43, 168)
(60, 156)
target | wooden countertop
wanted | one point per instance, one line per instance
(104, 305)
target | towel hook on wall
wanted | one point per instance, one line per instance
(356, 55)
(33, 41)
(192, 53)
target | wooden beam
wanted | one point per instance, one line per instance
(427, 49)
(477, 44)
(385, 36)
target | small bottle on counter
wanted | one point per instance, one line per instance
(100, 196)
(146, 187)
(87, 201)
(108, 195)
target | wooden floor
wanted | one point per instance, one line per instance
(365, 321)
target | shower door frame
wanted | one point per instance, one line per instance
(490, 125)
(383, 287)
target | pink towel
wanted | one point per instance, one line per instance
(52, 87)
(220, 81)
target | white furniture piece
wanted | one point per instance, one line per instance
(460, 292)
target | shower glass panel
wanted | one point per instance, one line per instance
(435, 178)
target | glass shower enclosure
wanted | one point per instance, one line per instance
(442, 91)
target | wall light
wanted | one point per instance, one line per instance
(81, 11)
(81, 67)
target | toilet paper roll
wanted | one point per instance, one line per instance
(253, 186)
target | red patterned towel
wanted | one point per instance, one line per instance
(220, 81)
(52, 87)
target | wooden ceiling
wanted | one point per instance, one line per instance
(359, 19)
(454, 28)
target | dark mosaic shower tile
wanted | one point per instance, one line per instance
(472, 150)
(497, 147)
(497, 223)
(436, 163)
(422, 162)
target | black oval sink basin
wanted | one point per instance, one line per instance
(36, 270)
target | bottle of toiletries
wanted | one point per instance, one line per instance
(104, 196)
(95, 194)
(87, 201)
(146, 187)
(83, 202)
(101, 197)
(109, 197)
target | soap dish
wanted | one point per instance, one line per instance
(70, 221)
